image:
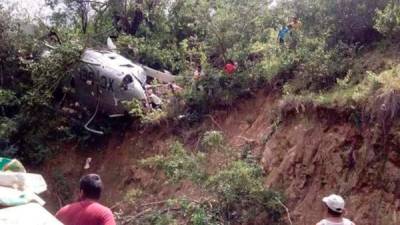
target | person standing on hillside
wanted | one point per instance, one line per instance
(230, 67)
(87, 211)
(282, 34)
(334, 211)
(295, 25)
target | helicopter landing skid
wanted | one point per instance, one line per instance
(91, 119)
(116, 115)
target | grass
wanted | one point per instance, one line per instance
(346, 95)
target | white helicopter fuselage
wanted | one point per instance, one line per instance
(105, 79)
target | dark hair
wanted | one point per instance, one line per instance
(91, 186)
(333, 213)
(290, 26)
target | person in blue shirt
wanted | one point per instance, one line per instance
(282, 34)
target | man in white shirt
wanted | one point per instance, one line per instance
(334, 211)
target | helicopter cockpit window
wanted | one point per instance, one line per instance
(125, 81)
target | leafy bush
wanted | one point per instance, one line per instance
(8, 98)
(212, 140)
(376, 94)
(349, 21)
(8, 128)
(178, 164)
(388, 80)
(132, 195)
(134, 108)
(239, 189)
(26, 111)
(236, 189)
(61, 187)
(318, 67)
(49, 72)
(153, 53)
(387, 21)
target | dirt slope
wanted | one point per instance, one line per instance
(306, 157)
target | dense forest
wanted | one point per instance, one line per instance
(318, 67)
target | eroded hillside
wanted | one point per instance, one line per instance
(306, 156)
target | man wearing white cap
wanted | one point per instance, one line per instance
(335, 209)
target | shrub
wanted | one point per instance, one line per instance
(212, 140)
(215, 91)
(236, 189)
(155, 53)
(350, 21)
(26, 110)
(132, 195)
(8, 128)
(134, 108)
(239, 189)
(387, 21)
(319, 68)
(61, 187)
(179, 164)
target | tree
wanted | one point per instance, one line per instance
(350, 21)
(79, 8)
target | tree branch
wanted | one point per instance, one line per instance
(286, 208)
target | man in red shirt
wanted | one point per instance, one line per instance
(87, 211)
(230, 67)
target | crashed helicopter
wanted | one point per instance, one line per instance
(105, 79)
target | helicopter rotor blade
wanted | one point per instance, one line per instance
(165, 77)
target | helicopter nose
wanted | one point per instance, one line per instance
(137, 90)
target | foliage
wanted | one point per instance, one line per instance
(179, 164)
(49, 72)
(212, 140)
(180, 36)
(348, 21)
(134, 108)
(239, 189)
(388, 80)
(27, 95)
(8, 128)
(76, 11)
(371, 94)
(318, 68)
(8, 98)
(132, 195)
(152, 52)
(387, 21)
(61, 187)
(236, 189)
(215, 90)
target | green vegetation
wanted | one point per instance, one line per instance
(234, 189)
(179, 165)
(212, 140)
(321, 67)
(387, 21)
(61, 188)
(315, 66)
(28, 95)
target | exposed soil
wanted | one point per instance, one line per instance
(304, 156)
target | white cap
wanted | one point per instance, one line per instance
(334, 202)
